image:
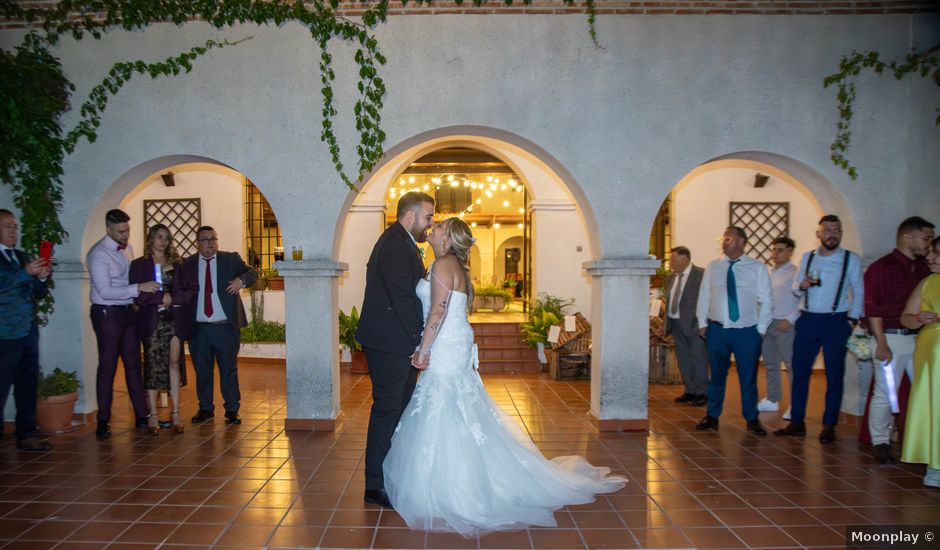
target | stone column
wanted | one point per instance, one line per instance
(311, 294)
(620, 342)
(68, 341)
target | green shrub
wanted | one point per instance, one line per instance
(544, 311)
(264, 331)
(58, 383)
(492, 291)
(348, 324)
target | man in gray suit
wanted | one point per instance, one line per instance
(682, 288)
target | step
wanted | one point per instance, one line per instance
(510, 367)
(495, 328)
(497, 352)
(501, 340)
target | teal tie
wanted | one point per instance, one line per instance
(733, 312)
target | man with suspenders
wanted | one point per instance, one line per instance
(830, 283)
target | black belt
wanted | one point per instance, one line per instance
(901, 331)
(211, 322)
(117, 306)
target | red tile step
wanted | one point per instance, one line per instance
(502, 349)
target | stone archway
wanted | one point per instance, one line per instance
(72, 277)
(555, 198)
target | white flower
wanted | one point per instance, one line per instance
(859, 345)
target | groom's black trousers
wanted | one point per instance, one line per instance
(393, 382)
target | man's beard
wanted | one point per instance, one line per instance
(418, 235)
(827, 246)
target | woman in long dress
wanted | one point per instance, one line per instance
(922, 428)
(458, 463)
(160, 323)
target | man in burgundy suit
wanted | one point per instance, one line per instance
(114, 320)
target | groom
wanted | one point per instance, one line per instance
(390, 329)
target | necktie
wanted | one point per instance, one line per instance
(207, 302)
(733, 313)
(12, 257)
(676, 296)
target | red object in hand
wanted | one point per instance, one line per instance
(45, 250)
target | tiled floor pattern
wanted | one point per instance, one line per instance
(254, 486)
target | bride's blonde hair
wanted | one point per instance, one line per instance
(461, 240)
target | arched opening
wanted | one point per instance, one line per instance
(768, 195)
(535, 215)
(185, 192)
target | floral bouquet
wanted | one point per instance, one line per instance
(860, 346)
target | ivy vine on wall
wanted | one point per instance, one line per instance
(924, 63)
(35, 93)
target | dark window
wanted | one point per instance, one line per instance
(182, 216)
(263, 244)
(764, 222)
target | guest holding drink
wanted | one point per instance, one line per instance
(829, 283)
(161, 322)
(921, 431)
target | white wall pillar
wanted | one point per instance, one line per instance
(364, 223)
(560, 247)
(313, 391)
(620, 342)
(68, 341)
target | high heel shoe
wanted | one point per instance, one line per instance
(175, 423)
(153, 425)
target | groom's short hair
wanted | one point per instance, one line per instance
(412, 200)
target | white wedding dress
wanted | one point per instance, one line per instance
(458, 463)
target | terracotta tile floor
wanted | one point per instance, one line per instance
(254, 485)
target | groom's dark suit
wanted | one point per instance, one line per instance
(390, 329)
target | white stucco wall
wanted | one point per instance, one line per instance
(700, 209)
(221, 196)
(619, 126)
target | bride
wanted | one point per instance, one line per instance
(457, 462)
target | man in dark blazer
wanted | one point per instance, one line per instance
(390, 329)
(682, 288)
(22, 282)
(218, 316)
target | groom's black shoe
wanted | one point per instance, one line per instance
(377, 496)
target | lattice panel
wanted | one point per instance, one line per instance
(182, 216)
(764, 222)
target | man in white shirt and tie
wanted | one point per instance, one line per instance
(778, 342)
(734, 309)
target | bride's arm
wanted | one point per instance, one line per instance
(442, 286)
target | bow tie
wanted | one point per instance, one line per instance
(121, 247)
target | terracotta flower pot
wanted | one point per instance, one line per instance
(359, 364)
(276, 283)
(54, 413)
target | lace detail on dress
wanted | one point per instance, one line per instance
(458, 463)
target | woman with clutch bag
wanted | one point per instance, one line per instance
(160, 321)
(922, 429)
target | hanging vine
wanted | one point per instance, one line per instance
(35, 92)
(924, 63)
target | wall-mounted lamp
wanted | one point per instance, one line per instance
(168, 179)
(760, 180)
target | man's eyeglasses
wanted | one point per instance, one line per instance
(208, 240)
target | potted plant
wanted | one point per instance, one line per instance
(491, 297)
(544, 311)
(348, 324)
(261, 283)
(275, 281)
(57, 395)
(658, 280)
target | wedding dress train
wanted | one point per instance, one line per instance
(458, 463)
